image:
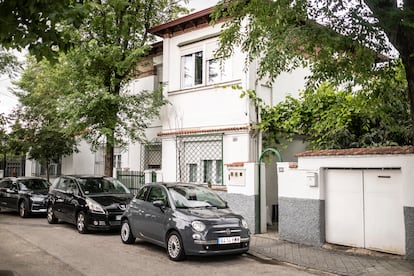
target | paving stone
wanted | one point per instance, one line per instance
(329, 260)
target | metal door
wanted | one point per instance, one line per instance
(384, 215)
(344, 207)
(364, 209)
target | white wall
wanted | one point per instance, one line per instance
(293, 182)
(82, 162)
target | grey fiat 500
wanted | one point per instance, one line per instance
(186, 219)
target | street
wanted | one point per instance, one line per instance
(33, 247)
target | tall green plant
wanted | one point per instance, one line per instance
(339, 40)
(376, 115)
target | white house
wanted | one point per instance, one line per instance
(207, 131)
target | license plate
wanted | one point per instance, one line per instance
(228, 240)
(118, 217)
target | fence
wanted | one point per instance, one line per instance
(132, 179)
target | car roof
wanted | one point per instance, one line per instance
(85, 176)
(175, 184)
(23, 177)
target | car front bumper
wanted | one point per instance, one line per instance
(211, 247)
(103, 221)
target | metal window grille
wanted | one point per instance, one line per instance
(200, 159)
(151, 156)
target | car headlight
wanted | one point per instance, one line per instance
(94, 206)
(244, 224)
(198, 226)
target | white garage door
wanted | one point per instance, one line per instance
(363, 208)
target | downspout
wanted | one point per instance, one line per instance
(279, 156)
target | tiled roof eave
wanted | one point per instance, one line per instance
(359, 151)
(203, 131)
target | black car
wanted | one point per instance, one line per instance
(186, 219)
(27, 195)
(89, 202)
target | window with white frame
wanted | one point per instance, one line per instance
(192, 69)
(218, 70)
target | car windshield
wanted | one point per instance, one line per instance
(102, 186)
(195, 197)
(33, 184)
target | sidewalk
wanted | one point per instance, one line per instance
(328, 260)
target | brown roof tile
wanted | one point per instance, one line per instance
(360, 151)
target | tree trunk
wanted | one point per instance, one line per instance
(409, 72)
(47, 170)
(109, 158)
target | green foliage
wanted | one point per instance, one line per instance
(39, 25)
(38, 129)
(376, 115)
(8, 63)
(338, 40)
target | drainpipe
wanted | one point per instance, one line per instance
(279, 156)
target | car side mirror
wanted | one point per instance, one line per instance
(159, 204)
(11, 191)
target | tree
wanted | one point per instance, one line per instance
(111, 41)
(332, 119)
(38, 128)
(340, 41)
(8, 63)
(39, 25)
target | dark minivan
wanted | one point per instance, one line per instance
(89, 202)
(27, 195)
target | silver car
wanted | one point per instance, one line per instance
(186, 219)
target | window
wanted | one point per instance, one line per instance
(218, 70)
(157, 193)
(192, 69)
(193, 172)
(208, 171)
(142, 194)
(118, 161)
(219, 171)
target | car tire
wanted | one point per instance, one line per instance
(81, 223)
(175, 248)
(23, 209)
(51, 218)
(126, 234)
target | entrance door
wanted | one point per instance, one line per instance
(364, 209)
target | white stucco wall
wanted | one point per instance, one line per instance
(82, 162)
(293, 182)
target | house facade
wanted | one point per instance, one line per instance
(207, 130)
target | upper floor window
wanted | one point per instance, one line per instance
(192, 69)
(218, 71)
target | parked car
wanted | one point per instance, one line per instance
(186, 219)
(27, 195)
(89, 202)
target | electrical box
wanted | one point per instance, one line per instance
(237, 177)
(312, 179)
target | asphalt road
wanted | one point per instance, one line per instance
(33, 247)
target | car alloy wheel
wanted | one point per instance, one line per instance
(175, 247)
(81, 223)
(126, 235)
(51, 219)
(23, 209)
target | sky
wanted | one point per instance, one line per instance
(7, 99)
